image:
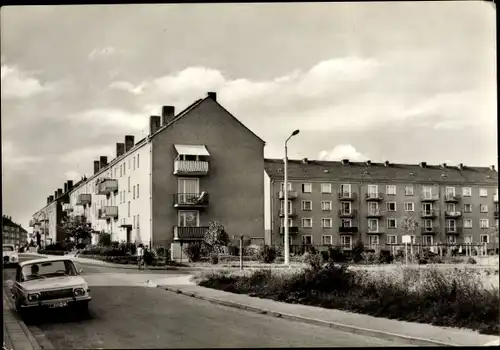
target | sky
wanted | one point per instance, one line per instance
(398, 81)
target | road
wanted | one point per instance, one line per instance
(125, 313)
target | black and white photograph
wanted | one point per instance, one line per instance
(249, 175)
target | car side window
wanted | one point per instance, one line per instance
(18, 275)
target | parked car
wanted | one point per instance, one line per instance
(50, 283)
(9, 255)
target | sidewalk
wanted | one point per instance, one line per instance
(412, 333)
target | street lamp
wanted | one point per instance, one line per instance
(285, 189)
(45, 226)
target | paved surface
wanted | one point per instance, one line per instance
(127, 313)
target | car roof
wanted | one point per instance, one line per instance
(44, 260)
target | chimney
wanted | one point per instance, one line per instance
(492, 167)
(120, 149)
(59, 192)
(48, 200)
(65, 187)
(70, 185)
(103, 161)
(129, 142)
(51, 198)
(212, 95)
(167, 114)
(305, 161)
(55, 194)
(154, 124)
(96, 166)
(386, 163)
(423, 164)
(345, 161)
(443, 165)
(369, 162)
(461, 166)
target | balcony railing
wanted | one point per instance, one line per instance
(379, 230)
(109, 212)
(291, 212)
(430, 213)
(452, 198)
(191, 200)
(374, 213)
(429, 230)
(453, 214)
(83, 199)
(106, 186)
(291, 194)
(351, 229)
(374, 196)
(190, 167)
(347, 196)
(347, 213)
(291, 229)
(183, 233)
(453, 230)
(495, 213)
(429, 197)
(67, 207)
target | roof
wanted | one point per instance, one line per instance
(362, 172)
(192, 150)
(44, 260)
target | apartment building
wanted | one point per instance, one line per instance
(338, 202)
(13, 233)
(196, 166)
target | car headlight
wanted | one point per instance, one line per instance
(78, 292)
(13, 258)
(34, 297)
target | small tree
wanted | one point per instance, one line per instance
(409, 225)
(72, 229)
(215, 238)
(358, 250)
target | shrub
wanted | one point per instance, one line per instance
(267, 254)
(80, 245)
(324, 255)
(471, 260)
(357, 250)
(314, 261)
(214, 259)
(51, 252)
(193, 251)
(335, 254)
(280, 249)
(104, 239)
(369, 258)
(385, 257)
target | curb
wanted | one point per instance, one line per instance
(338, 326)
(35, 336)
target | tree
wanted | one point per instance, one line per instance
(409, 224)
(73, 229)
(215, 238)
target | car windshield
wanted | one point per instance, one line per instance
(8, 248)
(48, 269)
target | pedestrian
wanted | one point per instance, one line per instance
(140, 256)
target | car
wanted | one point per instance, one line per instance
(50, 283)
(9, 255)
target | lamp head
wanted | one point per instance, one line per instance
(295, 132)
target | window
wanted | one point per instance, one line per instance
(129, 163)
(452, 240)
(391, 223)
(188, 218)
(121, 172)
(390, 189)
(466, 191)
(121, 197)
(373, 208)
(451, 225)
(326, 240)
(345, 190)
(372, 225)
(484, 223)
(134, 163)
(133, 223)
(116, 173)
(409, 206)
(483, 192)
(133, 196)
(307, 239)
(346, 223)
(137, 190)
(428, 225)
(372, 191)
(307, 222)
(306, 205)
(137, 161)
(326, 188)
(374, 240)
(391, 206)
(326, 222)
(468, 239)
(483, 208)
(467, 208)
(467, 223)
(128, 209)
(128, 184)
(345, 208)
(124, 168)
(484, 239)
(137, 222)
(427, 239)
(306, 188)
(392, 239)
(427, 192)
(289, 207)
(409, 190)
(346, 241)
(289, 186)
(326, 205)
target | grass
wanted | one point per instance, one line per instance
(452, 297)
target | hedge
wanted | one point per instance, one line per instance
(52, 252)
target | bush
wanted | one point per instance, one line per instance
(335, 254)
(471, 260)
(267, 254)
(104, 239)
(385, 257)
(357, 251)
(314, 261)
(193, 251)
(51, 252)
(369, 258)
(214, 259)
(80, 245)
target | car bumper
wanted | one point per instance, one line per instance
(48, 303)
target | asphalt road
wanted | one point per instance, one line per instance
(127, 314)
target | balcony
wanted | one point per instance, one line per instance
(432, 213)
(182, 233)
(291, 230)
(191, 200)
(291, 212)
(83, 199)
(429, 230)
(351, 229)
(429, 198)
(108, 212)
(106, 186)
(374, 213)
(495, 213)
(453, 214)
(347, 214)
(453, 230)
(191, 167)
(374, 196)
(347, 196)
(67, 207)
(495, 198)
(291, 194)
(452, 198)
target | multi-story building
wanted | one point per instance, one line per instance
(13, 233)
(336, 203)
(196, 166)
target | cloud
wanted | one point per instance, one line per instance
(14, 159)
(126, 86)
(18, 84)
(101, 119)
(86, 155)
(342, 152)
(72, 175)
(103, 52)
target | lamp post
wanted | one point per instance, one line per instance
(285, 189)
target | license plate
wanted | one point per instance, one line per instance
(58, 305)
